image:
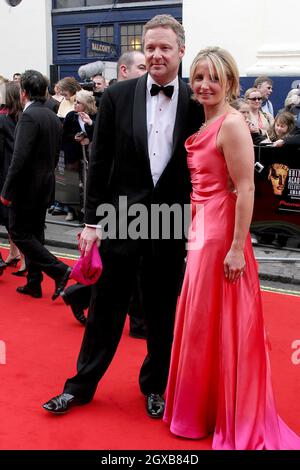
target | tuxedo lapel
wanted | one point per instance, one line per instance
(181, 115)
(180, 121)
(140, 134)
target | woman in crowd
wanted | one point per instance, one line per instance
(8, 123)
(78, 130)
(57, 93)
(68, 86)
(220, 379)
(260, 121)
(284, 130)
(244, 108)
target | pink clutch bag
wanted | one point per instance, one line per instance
(87, 269)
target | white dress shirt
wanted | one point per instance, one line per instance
(28, 103)
(161, 115)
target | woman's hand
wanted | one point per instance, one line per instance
(278, 143)
(85, 141)
(253, 128)
(86, 118)
(234, 264)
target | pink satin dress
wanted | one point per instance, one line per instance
(220, 379)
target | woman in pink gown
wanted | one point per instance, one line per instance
(219, 379)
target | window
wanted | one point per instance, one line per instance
(101, 33)
(134, 1)
(131, 37)
(70, 3)
(97, 3)
(90, 3)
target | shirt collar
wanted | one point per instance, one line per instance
(27, 104)
(174, 82)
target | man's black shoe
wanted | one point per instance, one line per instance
(34, 291)
(62, 403)
(155, 405)
(61, 283)
(3, 265)
(77, 311)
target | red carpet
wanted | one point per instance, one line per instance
(42, 341)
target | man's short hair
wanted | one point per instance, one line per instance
(262, 79)
(35, 85)
(127, 58)
(166, 21)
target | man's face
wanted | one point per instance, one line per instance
(138, 68)
(278, 175)
(99, 83)
(163, 54)
(266, 90)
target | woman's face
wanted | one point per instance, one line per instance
(244, 109)
(254, 100)
(66, 94)
(206, 88)
(57, 90)
(79, 107)
(281, 128)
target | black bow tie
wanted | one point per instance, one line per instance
(167, 90)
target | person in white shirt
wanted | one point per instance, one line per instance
(265, 85)
(138, 154)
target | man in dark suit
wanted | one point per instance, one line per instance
(29, 186)
(139, 154)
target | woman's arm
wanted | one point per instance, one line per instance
(236, 144)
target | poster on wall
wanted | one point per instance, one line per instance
(276, 213)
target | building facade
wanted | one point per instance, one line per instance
(90, 30)
(69, 33)
(263, 38)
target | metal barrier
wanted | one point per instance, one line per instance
(276, 216)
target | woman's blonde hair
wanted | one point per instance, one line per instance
(251, 90)
(292, 98)
(222, 64)
(88, 100)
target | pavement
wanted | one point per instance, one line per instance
(275, 264)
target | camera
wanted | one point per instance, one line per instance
(89, 86)
(258, 167)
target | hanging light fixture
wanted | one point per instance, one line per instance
(13, 3)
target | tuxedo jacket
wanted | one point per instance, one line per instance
(119, 163)
(7, 130)
(30, 180)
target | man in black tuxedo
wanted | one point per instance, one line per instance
(138, 153)
(30, 183)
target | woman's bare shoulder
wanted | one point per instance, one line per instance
(233, 117)
(234, 120)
